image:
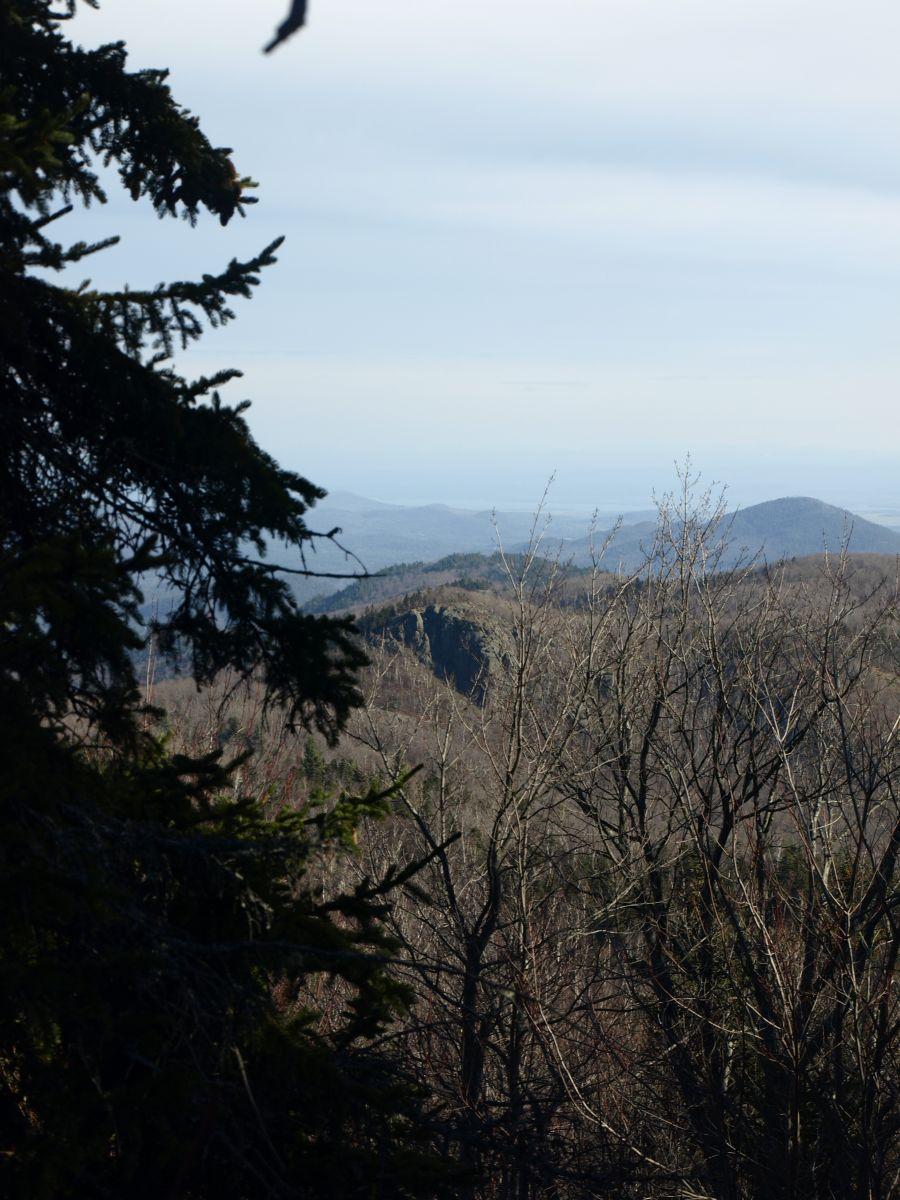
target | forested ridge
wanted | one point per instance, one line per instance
(538, 881)
(658, 959)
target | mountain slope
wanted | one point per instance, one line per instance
(791, 527)
(798, 525)
(382, 535)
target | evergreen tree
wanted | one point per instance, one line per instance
(313, 763)
(107, 452)
(148, 916)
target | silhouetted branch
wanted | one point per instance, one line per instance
(295, 20)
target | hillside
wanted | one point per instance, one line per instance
(800, 525)
(790, 527)
(470, 571)
(459, 629)
(390, 538)
(383, 535)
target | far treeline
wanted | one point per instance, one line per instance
(619, 919)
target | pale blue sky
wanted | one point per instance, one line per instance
(586, 235)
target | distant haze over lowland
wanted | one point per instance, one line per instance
(612, 481)
(578, 235)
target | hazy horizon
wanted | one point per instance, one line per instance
(586, 239)
(606, 511)
(577, 493)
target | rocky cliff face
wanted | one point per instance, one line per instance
(451, 642)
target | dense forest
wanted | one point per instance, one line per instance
(532, 880)
(652, 952)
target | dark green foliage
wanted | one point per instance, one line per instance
(158, 934)
(102, 441)
(156, 938)
(313, 763)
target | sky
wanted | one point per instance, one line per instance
(587, 237)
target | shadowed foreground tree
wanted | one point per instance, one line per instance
(150, 912)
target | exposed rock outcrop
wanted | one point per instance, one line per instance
(453, 643)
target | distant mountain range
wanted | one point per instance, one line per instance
(422, 548)
(380, 531)
(382, 535)
(792, 527)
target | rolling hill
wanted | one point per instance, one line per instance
(382, 535)
(791, 527)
